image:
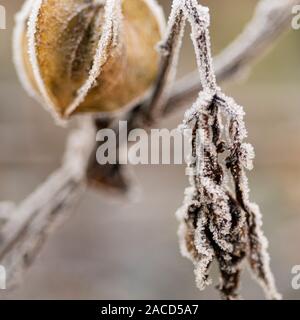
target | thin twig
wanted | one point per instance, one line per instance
(271, 19)
(28, 226)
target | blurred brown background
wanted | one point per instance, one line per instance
(119, 250)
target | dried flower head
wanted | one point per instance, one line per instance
(79, 56)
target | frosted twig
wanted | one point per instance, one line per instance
(29, 225)
(271, 19)
(169, 49)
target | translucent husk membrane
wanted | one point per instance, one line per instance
(79, 56)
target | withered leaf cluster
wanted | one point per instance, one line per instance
(217, 220)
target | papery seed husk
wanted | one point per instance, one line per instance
(56, 44)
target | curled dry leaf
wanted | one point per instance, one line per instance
(79, 56)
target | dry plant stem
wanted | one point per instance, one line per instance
(27, 226)
(271, 19)
(169, 50)
(30, 223)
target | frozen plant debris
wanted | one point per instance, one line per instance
(79, 56)
(217, 223)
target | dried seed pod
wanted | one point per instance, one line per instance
(87, 55)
